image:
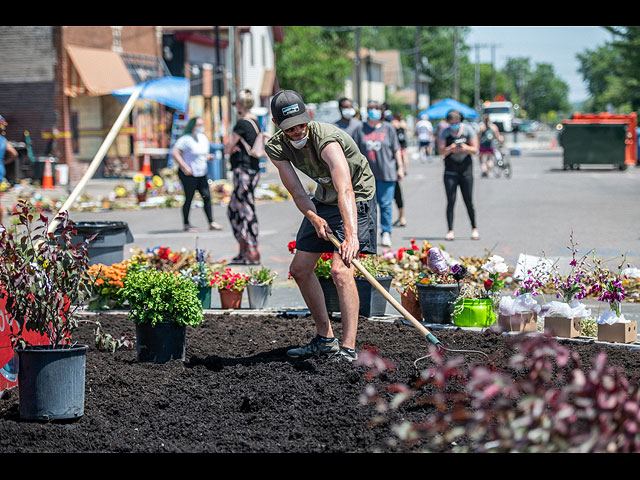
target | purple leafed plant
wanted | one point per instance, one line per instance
(544, 400)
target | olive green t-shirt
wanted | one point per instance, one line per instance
(309, 162)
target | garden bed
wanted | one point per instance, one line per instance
(237, 391)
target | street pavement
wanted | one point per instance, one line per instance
(533, 213)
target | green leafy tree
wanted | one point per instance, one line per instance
(612, 71)
(546, 92)
(314, 62)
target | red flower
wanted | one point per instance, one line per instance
(326, 256)
(292, 247)
(401, 252)
(163, 252)
(488, 284)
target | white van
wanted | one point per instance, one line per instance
(500, 113)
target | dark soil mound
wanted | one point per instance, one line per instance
(237, 391)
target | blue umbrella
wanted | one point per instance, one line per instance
(441, 108)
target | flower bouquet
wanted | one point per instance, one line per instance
(565, 317)
(514, 313)
(612, 326)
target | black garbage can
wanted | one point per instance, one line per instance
(108, 246)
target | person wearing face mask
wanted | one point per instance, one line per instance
(246, 174)
(348, 121)
(343, 204)
(378, 142)
(191, 153)
(457, 143)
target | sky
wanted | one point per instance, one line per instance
(557, 45)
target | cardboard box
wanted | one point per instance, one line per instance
(620, 332)
(563, 326)
(520, 322)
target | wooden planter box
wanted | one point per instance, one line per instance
(564, 327)
(620, 332)
(520, 322)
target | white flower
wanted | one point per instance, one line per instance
(495, 265)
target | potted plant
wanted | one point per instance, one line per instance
(161, 305)
(259, 286)
(372, 303)
(44, 281)
(564, 318)
(612, 326)
(200, 273)
(107, 285)
(437, 287)
(230, 286)
(475, 304)
(520, 312)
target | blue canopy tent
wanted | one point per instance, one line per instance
(441, 108)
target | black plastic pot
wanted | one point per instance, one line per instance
(437, 302)
(51, 382)
(162, 343)
(372, 302)
(108, 246)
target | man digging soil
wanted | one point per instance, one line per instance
(343, 204)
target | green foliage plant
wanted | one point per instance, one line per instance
(155, 297)
(43, 276)
(261, 276)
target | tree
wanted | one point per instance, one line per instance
(546, 92)
(314, 62)
(612, 71)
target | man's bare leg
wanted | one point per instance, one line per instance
(349, 300)
(301, 270)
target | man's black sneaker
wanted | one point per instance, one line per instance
(346, 354)
(319, 347)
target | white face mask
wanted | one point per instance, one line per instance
(298, 144)
(348, 112)
(199, 129)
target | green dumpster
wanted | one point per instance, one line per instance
(593, 144)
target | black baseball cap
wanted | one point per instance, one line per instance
(288, 109)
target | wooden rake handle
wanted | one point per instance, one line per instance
(403, 311)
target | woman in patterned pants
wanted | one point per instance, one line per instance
(242, 215)
(246, 173)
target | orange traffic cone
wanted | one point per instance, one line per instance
(47, 178)
(146, 166)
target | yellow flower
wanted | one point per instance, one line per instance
(138, 177)
(157, 181)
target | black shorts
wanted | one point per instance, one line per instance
(307, 239)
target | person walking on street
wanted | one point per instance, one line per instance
(488, 138)
(246, 174)
(348, 121)
(343, 204)
(424, 132)
(7, 152)
(401, 130)
(379, 144)
(457, 143)
(191, 153)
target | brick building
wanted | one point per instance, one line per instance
(56, 83)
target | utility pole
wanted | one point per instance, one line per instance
(456, 74)
(416, 57)
(477, 48)
(357, 67)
